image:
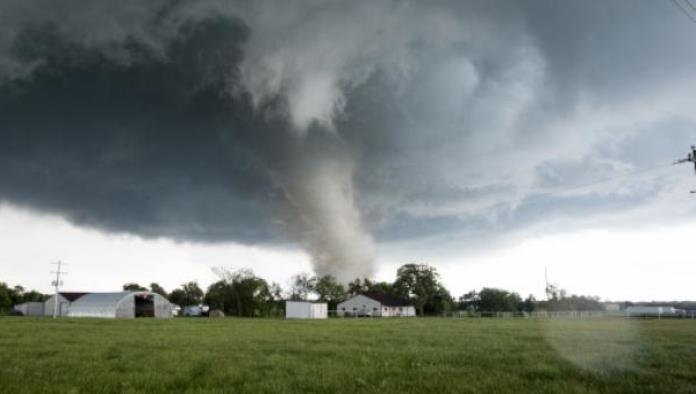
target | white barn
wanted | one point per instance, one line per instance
(121, 305)
(376, 305)
(305, 310)
(64, 301)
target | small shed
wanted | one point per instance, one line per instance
(121, 305)
(306, 310)
(30, 308)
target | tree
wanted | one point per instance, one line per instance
(329, 290)
(497, 300)
(6, 301)
(178, 297)
(419, 283)
(188, 294)
(356, 287)
(301, 286)
(156, 288)
(573, 303)
(529, 304)
(192, 293)
(11, 296)
(133, 287)
(242, 293)
(380, 287)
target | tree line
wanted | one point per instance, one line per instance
(11, 296)
(242, 293)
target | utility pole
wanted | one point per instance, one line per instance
(690, 158)
(551, 289)
(56, 285)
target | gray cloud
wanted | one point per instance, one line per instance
(325, 122)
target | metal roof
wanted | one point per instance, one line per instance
(72, 296)
(388, 299)
(103, 297)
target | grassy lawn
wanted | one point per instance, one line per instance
(350, 355)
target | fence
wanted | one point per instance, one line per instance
(562, 314)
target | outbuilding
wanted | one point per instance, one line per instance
(30, 308)
(121, 305)
(653, 311)
(305, 310)
(65, 299)
(376, 305)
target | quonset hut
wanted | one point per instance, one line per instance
(121, 305)
(65, 299)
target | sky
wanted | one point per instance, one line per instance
(154, 141)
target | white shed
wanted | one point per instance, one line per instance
(375, 305)
(305, 310)
(30, 308)
(121, 305)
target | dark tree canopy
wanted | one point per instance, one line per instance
(133, 287)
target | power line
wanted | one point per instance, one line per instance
(691, 5)
(564, 189)
(684, 10)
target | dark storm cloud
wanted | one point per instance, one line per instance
(155, 147)
(316, 121)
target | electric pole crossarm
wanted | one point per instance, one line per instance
(57, 283)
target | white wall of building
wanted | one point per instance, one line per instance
(305, 310)
(651, 311)
(361, 305)
(30, 308)
(63, 306)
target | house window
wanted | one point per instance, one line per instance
(343, 309)
(374, 309)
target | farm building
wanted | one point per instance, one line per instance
(121, 305)
(305, 310)
(653, 311)
(64, 301)
(375, 305)
(30, 308)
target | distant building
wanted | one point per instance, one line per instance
(194, 310)
(376, 305)
(305, 310)
(653, 311)
(612, 306)
(121, 305)
(30, 308)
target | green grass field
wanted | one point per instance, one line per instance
(347, 355)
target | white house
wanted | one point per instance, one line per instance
(305, 310)
(375, 305)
